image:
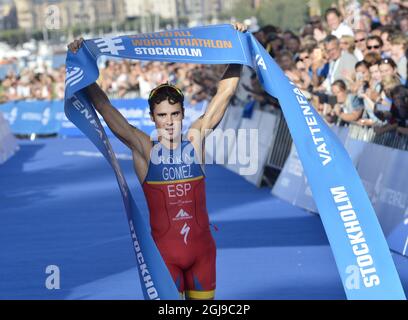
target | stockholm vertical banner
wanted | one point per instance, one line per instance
(348, 217)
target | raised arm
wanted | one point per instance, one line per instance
(134, 138)
(219, 103)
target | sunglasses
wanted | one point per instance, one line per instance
(155, 90)
(373, 47)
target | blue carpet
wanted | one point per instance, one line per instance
(60, 205)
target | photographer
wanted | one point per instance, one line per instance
(348, 108)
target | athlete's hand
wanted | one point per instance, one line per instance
(240, 26)
(75, 45)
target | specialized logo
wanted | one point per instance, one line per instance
(184, 232)
(110, 45)
(73, 76)
(182, 215)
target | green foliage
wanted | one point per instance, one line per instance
(325, 4)
(243, 10)
(287, 14)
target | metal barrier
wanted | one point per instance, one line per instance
(283, 142)
(282, 145)
(390, 139)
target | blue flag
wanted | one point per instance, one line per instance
(361, 252)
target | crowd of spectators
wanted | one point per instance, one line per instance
(351, 63)
(36, 84)
(119, 79)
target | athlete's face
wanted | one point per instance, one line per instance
(168, 119)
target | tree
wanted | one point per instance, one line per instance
(243, 10)
(286, 14)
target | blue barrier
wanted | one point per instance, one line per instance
(38, 117)
(385, 185)
(48, 117)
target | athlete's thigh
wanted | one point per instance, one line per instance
(200, 279)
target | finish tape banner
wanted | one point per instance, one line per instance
(348, 217)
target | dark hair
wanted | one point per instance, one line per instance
(284, 53)
(377, 38)
(273, 37)
(388, 61)
(375, 9)
(331, 38)
(387, 29)
(372, 58)
(269, 29)
(295, 37)
(341, 84)
(291, 33)
(165, 91)
(399, 95)
(332, 10)
(307, 49)
(361, 63)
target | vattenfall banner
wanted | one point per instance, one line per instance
(349, 219)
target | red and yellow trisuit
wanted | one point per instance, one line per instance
(175, 192)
